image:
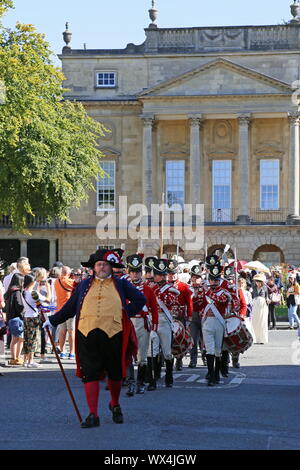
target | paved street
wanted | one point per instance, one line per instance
(255, 408)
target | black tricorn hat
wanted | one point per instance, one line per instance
(160, 266)
(215, 272)
(172, 266)
(149, 263)
(135, 262)
(212, 260)
(113, 257)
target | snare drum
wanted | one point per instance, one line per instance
(237, 337)
(182, 340)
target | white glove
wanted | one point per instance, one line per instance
(153, 335)
(47, 323)
(145, 308)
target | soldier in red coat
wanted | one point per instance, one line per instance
(168, 309)
(215, 306)
(184, 299)
(144, 322)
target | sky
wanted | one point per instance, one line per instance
(112, 25)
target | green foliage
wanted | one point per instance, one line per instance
(5, 5)
(48, 147)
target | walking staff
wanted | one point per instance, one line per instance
(105, 340)
(44, 318)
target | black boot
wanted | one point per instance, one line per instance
(179, 364)
(140, 383)
(235, 361)
(217, 369)
(157, 367)
(224, 369)
(203, 357)
(169, 373)
(211, 381)
(131, 389)
(150, 373)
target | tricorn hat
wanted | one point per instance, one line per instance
(160, 266)
(113, 257)
(135, 262)
(172, 266)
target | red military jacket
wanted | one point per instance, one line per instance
(151, 302)
(168, 294)
(184, 299)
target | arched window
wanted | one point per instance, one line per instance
(219, 250)
(270, 255)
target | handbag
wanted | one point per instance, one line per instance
(297, 299)
(275, 298)
(3, 327)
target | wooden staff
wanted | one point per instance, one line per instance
(35, 297)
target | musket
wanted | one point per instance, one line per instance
(35, 297)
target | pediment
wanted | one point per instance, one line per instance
(219, 78)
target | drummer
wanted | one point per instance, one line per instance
(214, 309)
(184, 298)
(239, 306)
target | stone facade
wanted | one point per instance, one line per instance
(199, 95)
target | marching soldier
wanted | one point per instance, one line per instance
(197, 290)
(168, 308)
(144, 322)
(184, 299)
(239, 305)
(215, 307)
(148, 277)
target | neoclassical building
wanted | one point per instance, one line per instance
(202, 115)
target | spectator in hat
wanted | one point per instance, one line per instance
(260, 310)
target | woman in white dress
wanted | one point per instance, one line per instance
(260, 310)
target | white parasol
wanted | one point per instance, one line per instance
(257, 266)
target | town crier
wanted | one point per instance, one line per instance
(105, 340)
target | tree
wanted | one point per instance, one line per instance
(49, 158)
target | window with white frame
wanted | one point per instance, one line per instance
(269, 184)
(221, 190)
(175, 182)
(106, 187)
(106, 79)
(106, 247)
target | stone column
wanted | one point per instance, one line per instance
(52, 252)
(195, 159)
(23, 248)
(148, 122)
(294, 168)
(243, 175)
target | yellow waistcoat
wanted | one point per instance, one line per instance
(101, 308)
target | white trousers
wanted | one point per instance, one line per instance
(213, 334)
(163, 338)
(143, 340)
